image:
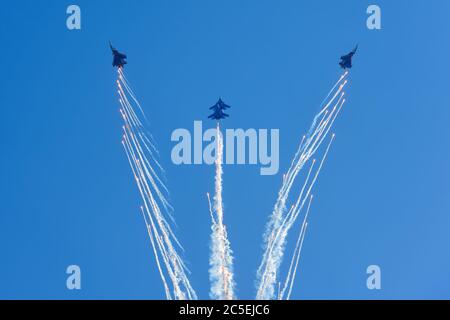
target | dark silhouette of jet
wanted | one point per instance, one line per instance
(346, 61)
(218, 108)
(119, 59)
(220, 105)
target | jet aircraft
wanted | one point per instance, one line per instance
(218, 108)
(346, 60)
(119, 59)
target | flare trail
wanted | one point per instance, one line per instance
(281, 220)
(147, 171)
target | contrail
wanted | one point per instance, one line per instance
(280, 222)
(140, 152)
(221, 259)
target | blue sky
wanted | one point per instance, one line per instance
(67, 195)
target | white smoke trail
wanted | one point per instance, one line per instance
(149, 202)
(149, 171)
(279, 234)
(124, 80)
(323, 108)
(210, 209)
(167, 251)
(278, 244)
(153, 192)
(163, 278)
(152, 241)
(296, 255)
(137, 122)
(296, 262)
(302, 156)
(221, 259)
(280, 223)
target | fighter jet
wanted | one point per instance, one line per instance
(346, 61)
(220, 105)
(218, 108)
(119, 59)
